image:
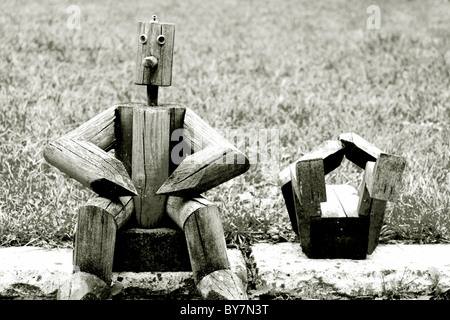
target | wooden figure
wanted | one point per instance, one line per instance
(336, 221)
(146, 182)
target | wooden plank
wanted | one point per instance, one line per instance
(155, 40)
(150, 162)
(375, 210)
(330, 151)
(303, 208)
(304, 215)
(348, 198)
(358, 150)
(288, 197)
(166, 55)
(385, 181)
(332, 208)
(203, 171)
(120, 211)
(98, 130)
(124, 135)
(91, 166)
(311, 181)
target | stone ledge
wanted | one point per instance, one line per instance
(415, 269)
(37, 273)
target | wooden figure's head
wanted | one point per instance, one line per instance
(155, 42)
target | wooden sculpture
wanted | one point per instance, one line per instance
(146, 178)
(336, 221)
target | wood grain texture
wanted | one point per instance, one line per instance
(161, 73)
(203, 171)
(91, 166)
(222, 285)
(180, 209)
(176, 125)
(311, 181)
(375, 210)
(150, 162)
(124, 134)
(358, 150)
(346, 196)
(288, 197)
(95, 237)
(384, 180)
(199, 134)
(206, 242)
(98, 130)
(212, 160)
(331, 152)
(304, 207)
(94, 241)
(200, 220)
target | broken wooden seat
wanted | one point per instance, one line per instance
(336, 221)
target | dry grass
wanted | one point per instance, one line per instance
(309, 69)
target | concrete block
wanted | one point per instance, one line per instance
(161, 249)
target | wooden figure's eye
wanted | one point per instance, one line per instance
(161, 39)
(143, 38)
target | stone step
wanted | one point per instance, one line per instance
(37, 273)
(393, 269)
(407, 270)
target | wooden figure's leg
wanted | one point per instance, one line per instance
(98, 222)
(200, 221)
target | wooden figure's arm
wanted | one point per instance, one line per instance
(81, 154)
(214, 160)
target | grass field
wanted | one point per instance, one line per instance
(307, 70)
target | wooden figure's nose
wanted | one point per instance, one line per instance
(149, 62)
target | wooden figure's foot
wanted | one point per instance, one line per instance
(200, 221)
